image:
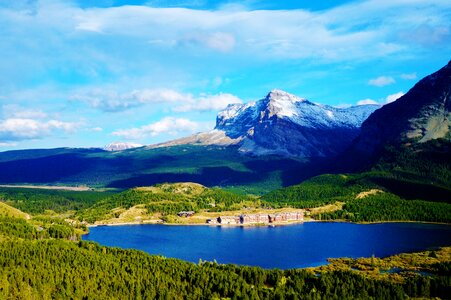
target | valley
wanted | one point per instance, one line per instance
(225, 150)
(374, 193)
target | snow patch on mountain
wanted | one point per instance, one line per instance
(283, 104)
(120, 146)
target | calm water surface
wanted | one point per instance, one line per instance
(293, 246)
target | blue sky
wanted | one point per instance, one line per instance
(86, 73)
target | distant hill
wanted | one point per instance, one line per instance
(207, 165)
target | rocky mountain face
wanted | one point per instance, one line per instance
(420, 115)
(284, 124)
(119, 146)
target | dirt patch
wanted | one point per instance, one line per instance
(368, 193)
(327, 208)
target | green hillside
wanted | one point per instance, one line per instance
(9, 211)
(207, 165)
(167, 199)
(39, 201)
(411, 183)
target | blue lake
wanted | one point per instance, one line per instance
(284, 247)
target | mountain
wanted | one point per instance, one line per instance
(120, 146)
(421, 115)
(284, 124)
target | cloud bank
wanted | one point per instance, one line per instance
(166, 126)
(112, 101)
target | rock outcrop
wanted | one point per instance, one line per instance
(246, 219)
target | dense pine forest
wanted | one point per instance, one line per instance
(38, 201)
(44, 265)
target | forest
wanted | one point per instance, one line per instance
(55, 268)
(412, 184)
(38, 201)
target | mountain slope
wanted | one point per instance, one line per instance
(207, 165)
(421, 115)
(284, 124)
(9, 211)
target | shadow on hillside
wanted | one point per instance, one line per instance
(292, 171)
(414, 190)
(208, 176)
(73, 166)
(43, 169)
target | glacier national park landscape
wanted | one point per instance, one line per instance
(225, 150)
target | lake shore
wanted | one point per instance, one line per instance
(203, 224)
(259, 224)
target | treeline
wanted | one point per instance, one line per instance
(402, 197)
(389, 207)
(11, 227)
(37, 201)
(84, 270)
(320, 190)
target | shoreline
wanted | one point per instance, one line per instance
(203, 224)
(261, 224)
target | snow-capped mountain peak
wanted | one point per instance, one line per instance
(119, 146)
(282, 104)
(282, 123)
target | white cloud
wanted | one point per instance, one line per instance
(367, 101)
(381, 81)
(409, 76)
(221, 41)
(18, 112)
(393, 97)
(112, 101)
(426, 35)
(97, 129)
(15, 129)
(5, 145)
(389, 99)
(208, 103)
(169, 125)
(342, 33)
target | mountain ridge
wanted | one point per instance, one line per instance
(421, 115)
(283, 124)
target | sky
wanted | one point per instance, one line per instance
(80, 73)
